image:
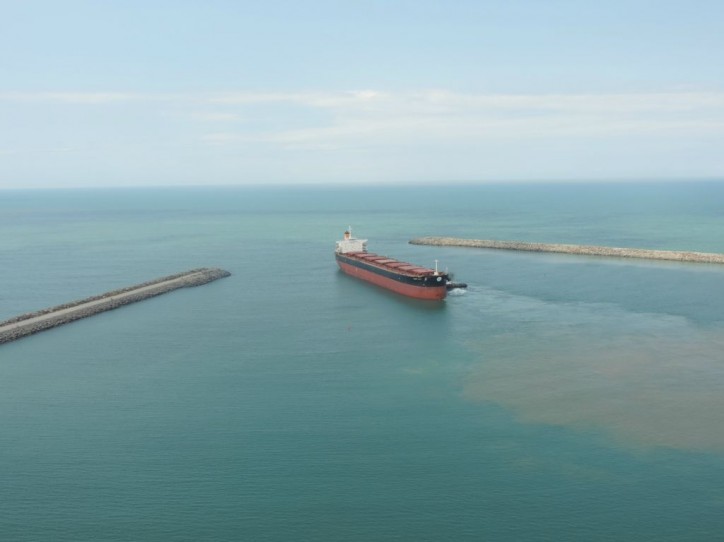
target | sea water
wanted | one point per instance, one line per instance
(559, 398)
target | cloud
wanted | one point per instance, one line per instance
(432, 133)
(427, 103)
(80, 98)
(215, 116)
(374, 118)
(432, 101)
(221, 138)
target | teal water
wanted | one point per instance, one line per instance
(559, 398)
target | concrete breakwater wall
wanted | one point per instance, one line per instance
(34, 322)
(583, 250)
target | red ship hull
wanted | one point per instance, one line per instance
(409, 290)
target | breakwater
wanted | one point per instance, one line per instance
(582, 250)
(34, 322)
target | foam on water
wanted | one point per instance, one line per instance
(455, 292)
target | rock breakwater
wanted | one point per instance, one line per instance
(583, 250)
(34, 322)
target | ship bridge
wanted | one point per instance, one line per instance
(351, 244)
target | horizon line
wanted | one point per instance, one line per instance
(380, 184)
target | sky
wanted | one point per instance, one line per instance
(221, 92)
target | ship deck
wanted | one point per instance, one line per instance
(391, 264)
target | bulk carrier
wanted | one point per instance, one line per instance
(400, 277)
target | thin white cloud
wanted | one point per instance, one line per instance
(370, 118)
(222, 138)
(442, 101)
(215, 116)
(373, 118)
(672, 101)
(428, 101)
(81, 98)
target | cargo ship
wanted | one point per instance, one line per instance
(401, 277)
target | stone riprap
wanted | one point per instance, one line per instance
(34, 322)
(582, 250)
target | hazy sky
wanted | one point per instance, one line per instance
(155, 92)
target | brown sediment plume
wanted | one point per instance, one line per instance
(582, 250)
(34, 322)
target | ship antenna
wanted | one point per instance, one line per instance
(436, 267)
